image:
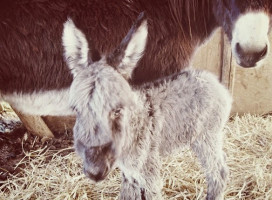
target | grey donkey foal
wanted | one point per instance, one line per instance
(133, 127)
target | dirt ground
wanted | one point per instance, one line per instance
(15, 141)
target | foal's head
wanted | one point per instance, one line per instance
(101, 96)
(247, 24)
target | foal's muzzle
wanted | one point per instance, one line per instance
(101, 175)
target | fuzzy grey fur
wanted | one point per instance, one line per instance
(132, 128)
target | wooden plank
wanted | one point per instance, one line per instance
(209, 55)
(226, 67)
(35, 125)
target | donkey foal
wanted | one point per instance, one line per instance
(131, 128)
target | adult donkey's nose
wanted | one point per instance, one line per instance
(249, 58)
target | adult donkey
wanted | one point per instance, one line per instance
(35, 80)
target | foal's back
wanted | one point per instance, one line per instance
(192, 103)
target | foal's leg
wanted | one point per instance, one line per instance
(130, 189)
(148, 188)
(212, 158)
(153, 182)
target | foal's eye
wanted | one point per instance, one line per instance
(116, 113)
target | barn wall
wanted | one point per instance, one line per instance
(209, 55)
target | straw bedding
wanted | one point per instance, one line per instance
(248, 144)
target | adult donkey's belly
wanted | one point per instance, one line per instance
(52, 102)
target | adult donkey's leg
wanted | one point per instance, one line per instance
(35, 125)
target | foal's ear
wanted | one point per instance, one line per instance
(125, 58)
(75, 47)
